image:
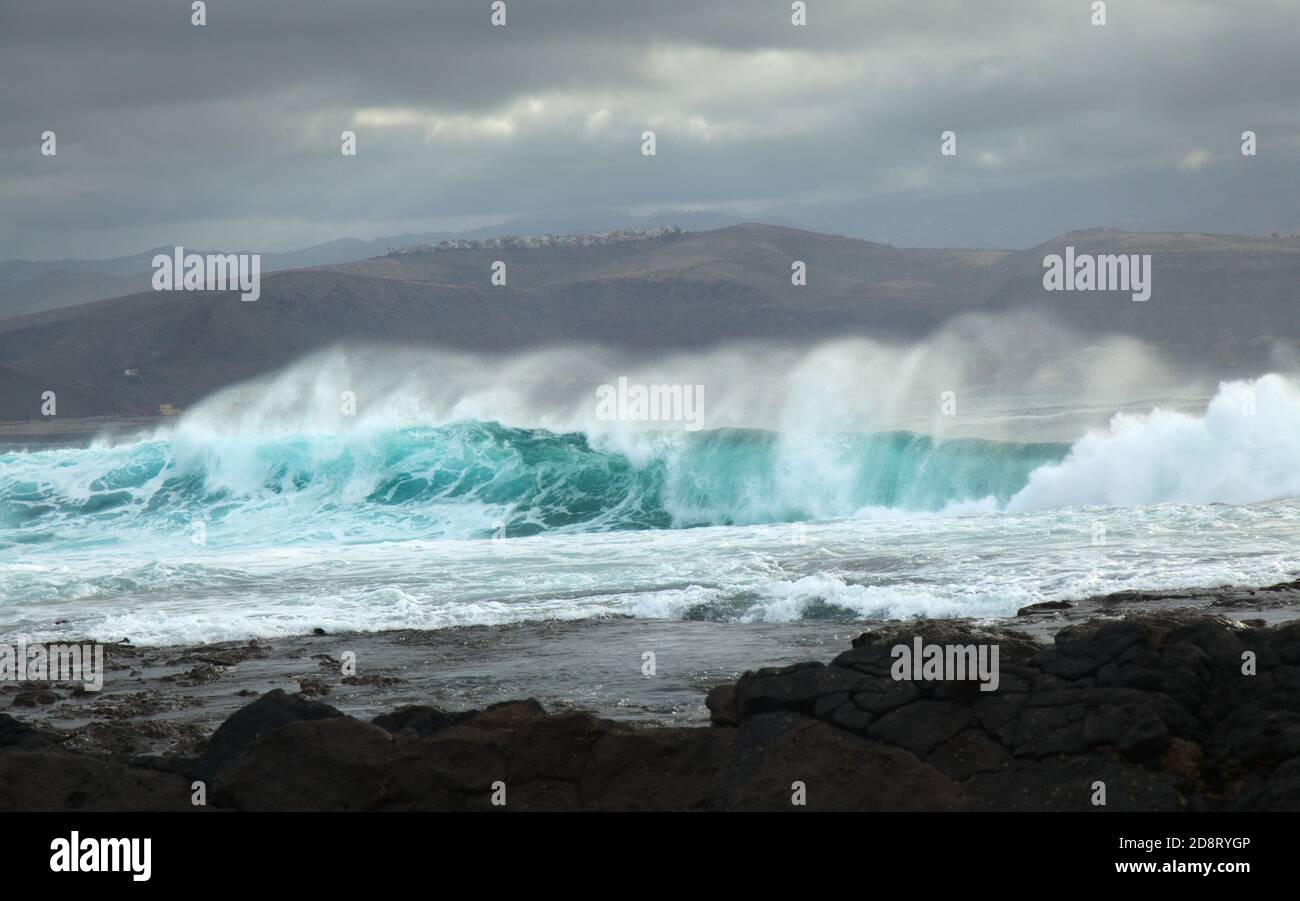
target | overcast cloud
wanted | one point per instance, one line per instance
(227, 135)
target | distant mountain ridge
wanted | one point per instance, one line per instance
(1218, 303)
(33, 287)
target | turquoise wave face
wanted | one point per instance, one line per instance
(216, 531)
(476, 479)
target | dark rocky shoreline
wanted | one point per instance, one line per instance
(1152, 703)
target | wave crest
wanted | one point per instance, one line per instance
(478, 479)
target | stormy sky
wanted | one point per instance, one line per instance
(228, 135)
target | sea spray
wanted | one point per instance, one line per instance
(1243, 450)
(386, 525)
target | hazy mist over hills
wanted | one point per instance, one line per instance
(829, 129)
(1220, 305)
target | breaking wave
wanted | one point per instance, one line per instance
(476, 479)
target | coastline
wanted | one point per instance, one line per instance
(72, 431)
(1140, 690)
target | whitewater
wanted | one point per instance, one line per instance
(210, 530)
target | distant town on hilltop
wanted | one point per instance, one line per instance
(614, 236)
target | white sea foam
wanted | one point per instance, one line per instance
(1244, 449)
(315, 519)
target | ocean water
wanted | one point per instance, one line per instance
(200, 534)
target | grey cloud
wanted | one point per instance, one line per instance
(229, 133)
